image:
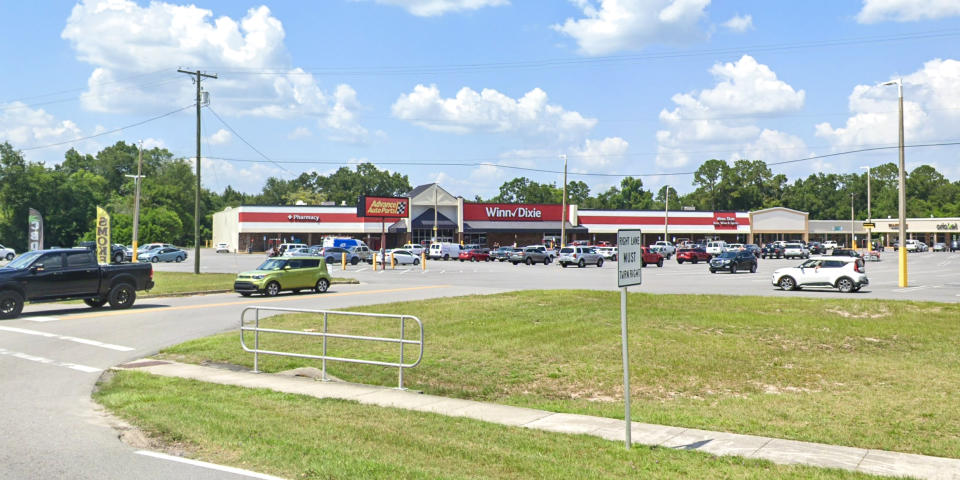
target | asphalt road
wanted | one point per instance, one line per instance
(51, 357)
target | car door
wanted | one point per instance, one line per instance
(297, 276)
(81, 274)
(46, 277)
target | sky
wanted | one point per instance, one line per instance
(472, 93)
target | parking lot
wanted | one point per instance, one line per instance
(932, 276)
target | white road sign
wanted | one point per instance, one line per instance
(630, 261)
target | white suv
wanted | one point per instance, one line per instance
(846, 274)
(579, 256)
(795, 250)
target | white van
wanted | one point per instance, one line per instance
(414, 248)
(444, 251)
(716, 247)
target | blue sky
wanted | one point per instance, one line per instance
(649, 87)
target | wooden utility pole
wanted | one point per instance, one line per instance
(196, 209)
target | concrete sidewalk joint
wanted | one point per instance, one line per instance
(876, 462)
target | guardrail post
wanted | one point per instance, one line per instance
(323, 375)
(256, 341)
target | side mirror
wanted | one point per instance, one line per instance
(286, 267)
(36, 268)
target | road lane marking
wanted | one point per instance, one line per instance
(47, 361)
(248, 302)
(85, 341)
(212, 466)
(41, 319)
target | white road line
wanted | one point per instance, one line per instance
(41, 319)
(212, 466)
(85, 341)
(34, 358)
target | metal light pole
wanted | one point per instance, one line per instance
(853, 225)
(666, 213)
(136, 205)
(563, 215)
(869, 213)
(902, 249)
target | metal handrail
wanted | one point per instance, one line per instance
(256, 350)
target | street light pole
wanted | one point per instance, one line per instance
(869, 213)
(563, 215)
(666, 213)
(902, 249)
(853, 225)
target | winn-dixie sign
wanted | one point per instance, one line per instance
(511, 212)
(392, 207)
(725, 220)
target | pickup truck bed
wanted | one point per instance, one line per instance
(63, 274)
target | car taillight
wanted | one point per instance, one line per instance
(856, 267)
(574, 255)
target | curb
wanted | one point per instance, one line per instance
(211, 292)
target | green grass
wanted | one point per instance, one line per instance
(300, 437)
(171, 283)
(865, 373)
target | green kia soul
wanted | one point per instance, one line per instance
(276, 274)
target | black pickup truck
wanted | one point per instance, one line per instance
(69, 273)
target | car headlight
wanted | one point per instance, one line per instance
(726, 261)
(258, 277)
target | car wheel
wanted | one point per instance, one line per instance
(354, 260)
(753, 268)
(695, 260)
(9, 257)
(116, 258)
(11, 304)
(416, 261)
(581, 264)
(787, 283)
(329, 260)
(845, 285)
(154, 260)
(713, 270)
(322, 285)
(94, 302)
(122, 296)
(680, 261)
(529, 261)
(733, 268)
(446, 257)
(179, 259)
(643, 264)
(599, 262)
(273, 288)
(660, 263)
(563, 264)
(546, 261)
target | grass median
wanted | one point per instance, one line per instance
(174, 283)
(866, 373)
(305, 438)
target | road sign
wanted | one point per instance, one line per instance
(869, 225)
(630, 257)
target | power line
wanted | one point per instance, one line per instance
(224, 122)
(151, 119)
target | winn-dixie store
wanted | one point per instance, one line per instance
(521, 224)
(695, 226)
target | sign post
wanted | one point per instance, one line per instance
(629, 271)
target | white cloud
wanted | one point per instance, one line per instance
(299, 132)
(600, 153)
(931, 109)
(739, 24)
(151, 143)
(490, 111)
(135, 50)
(715, 122)
(906, 10)
(25, 127)
(615, 25)
(220, 137)
(431, 8)
(217, 174)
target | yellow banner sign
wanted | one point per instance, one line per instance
(103, 236)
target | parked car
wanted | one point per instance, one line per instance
(795, 250)
(296, 252)
(844, 252)
(772, 250)
(609, 253)
(222, 248)
(579, 256)
(650, 257)
(549, 251)
(829, 245)
(116, 250)
(7, 253)
(502, 254)
(530, 255)
(334, 255)
(69, 273)
(954, 246)
(912, 245)
(400, 257)
(734, 247)
(444, 250)
(815, 248)
(693, 255)
(284, 273)
(716, 247)
(846, 274)
(474, 255)
(149, 246)
(733, 262)
(665, 248)
(754, 249)
(414, 248)
(939, 247)
(166, 254)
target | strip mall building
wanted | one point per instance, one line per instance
(435, 213)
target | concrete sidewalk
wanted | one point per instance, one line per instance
(877, 462)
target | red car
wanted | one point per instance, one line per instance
(651, 257)
(474, 256)
(693, 255)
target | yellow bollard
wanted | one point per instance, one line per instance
(343, 260)
(423, 261)
(375, 255)
(393, 263)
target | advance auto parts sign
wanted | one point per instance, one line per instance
(392, 207)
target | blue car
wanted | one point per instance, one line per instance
(165, 254)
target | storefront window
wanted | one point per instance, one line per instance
(421, 235)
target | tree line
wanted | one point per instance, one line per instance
(67, 194)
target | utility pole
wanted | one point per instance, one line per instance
(853, 226)
(902, 200)
(666, 213)
(563, 214)
(196, 209)
(136, 205)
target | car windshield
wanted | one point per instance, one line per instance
(272, 264)
(22, 261)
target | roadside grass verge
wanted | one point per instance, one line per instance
(300, 437)
(864, 373)
(172, 283)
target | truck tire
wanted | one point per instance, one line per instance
(94, 302)
(11, 304)
(122, 296)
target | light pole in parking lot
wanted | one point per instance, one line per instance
(666, 213)
(853, 225)
(902, 250)
(869, 213)
(563, 214)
